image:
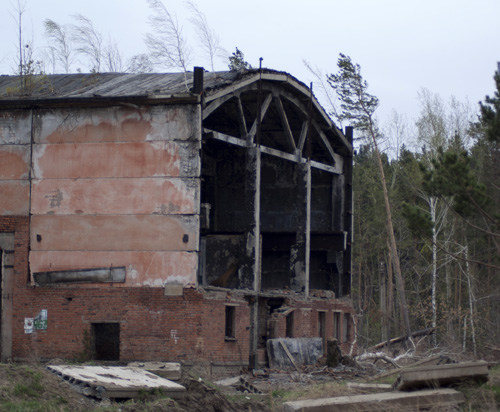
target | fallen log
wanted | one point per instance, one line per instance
(395, 371)
(440, 375)
(415, 334)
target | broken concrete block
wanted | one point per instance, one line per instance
(440, 399)
(301, 351)
(167, 370)
(438, 375)
(116, 381)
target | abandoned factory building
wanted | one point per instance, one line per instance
(179, 217)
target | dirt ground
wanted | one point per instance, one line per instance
(31, 387)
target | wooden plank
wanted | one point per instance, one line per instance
(241, 119)
(284, 122)
(396, 371)
(263, 111)
(437, 375)
(215, 104)
(440, 399)
(289, 355)
(337, 169)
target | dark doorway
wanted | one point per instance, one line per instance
(106, 341)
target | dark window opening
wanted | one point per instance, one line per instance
(230, 329)
(321, 326)
(106, 338)
(289, 325)
(336, 325)
(346, 328)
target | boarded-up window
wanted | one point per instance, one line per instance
(230, 323)
(106, 337)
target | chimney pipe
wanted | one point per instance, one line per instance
(198, 80)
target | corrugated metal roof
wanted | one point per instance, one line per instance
(110, 85)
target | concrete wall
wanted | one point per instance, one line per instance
(109, 187)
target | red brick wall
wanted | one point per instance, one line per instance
(152, 326)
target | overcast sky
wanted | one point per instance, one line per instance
(450, 47)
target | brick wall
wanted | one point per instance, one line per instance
(153, 326)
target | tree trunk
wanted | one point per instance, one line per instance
(392, 242)
(432, 207)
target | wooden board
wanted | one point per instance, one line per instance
(440, 399)
(439, 375)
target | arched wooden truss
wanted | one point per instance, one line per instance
(290, 120)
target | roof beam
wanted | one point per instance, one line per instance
(284, 122)
(263, 111)
(336, 169)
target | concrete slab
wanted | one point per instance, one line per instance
(116, 381)
(386, 401)
(438, 375)
(167, 370)
(303, 351)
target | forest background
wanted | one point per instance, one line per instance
(432, 177)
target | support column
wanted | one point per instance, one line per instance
(347, 172)
(300, 251)
(252, 268)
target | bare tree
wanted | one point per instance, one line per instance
(88, 41)
(60, 47)
(327, 92)
(113, 61)
(167, 45)
(208, 38)
(140, 63)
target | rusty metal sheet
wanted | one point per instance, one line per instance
(15, 127)
(157, 196)
(142, 268)
(146, 159)
(14, 161)
(14, 197)
(99, 233)
(118, 124)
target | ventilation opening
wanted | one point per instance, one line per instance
(106, 338)
(336, 325)
(230, 329)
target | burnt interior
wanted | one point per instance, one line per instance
(227, 204)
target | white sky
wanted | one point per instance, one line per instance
(450, 47)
